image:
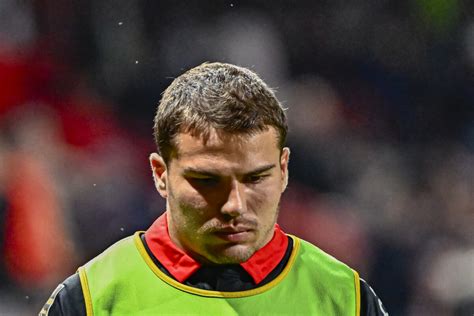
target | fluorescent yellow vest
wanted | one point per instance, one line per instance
(123, 280)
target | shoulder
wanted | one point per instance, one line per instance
(66, 300)
(329, 275)
(311, 251)
(116, 255)
(311, 255)
(331, 269)
(371, 304)
(118, 247)
(68, 297)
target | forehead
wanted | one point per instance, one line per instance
(227, 148)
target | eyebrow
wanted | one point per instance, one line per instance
(210, 173)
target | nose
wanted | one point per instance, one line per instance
(235, 203)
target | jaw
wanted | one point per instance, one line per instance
(230, 254)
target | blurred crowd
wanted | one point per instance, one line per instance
(380, 99)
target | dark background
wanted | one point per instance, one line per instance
(380, 101)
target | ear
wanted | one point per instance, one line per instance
(160, 174)
(284, 160)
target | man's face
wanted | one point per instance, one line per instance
(223, 194)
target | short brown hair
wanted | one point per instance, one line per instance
(219, 96)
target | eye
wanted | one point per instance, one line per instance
(256, 178)
(204, 181)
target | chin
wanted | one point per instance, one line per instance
(234, 254)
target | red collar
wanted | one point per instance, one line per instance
(181, 266)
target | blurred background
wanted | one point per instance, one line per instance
(380, 100)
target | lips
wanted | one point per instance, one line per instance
(234, 235)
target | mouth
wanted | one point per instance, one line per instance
(236, 236)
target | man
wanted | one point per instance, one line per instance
(217, 250)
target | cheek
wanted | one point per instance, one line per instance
(191, 202)
(264, 197)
